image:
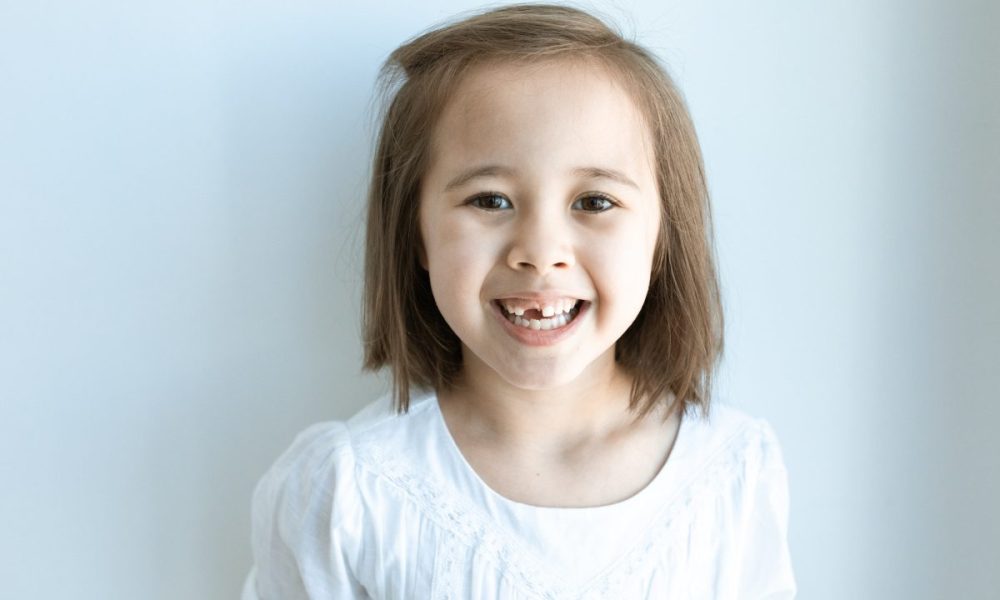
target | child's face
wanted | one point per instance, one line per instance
(549, 232)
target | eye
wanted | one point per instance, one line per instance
(594, 203)
(490, 201)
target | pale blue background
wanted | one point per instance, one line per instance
(181, 189)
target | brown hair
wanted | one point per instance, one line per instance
(673, 345)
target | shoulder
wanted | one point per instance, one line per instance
(752, 481)
(323, 459)
(310, 531)
(313, 470)
(731, 440)
(378, 431)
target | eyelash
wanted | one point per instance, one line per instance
(487, 195)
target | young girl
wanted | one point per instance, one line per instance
(539, 280)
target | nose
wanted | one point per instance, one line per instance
(541, 245)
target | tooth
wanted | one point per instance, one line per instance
(562, 320)
(536, 324)
(519, 311)
(507, 308)
(548, 311)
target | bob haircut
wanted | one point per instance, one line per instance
(672, 347)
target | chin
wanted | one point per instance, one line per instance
(540, 378)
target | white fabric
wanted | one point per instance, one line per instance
(385, 506)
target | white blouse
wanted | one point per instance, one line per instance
(385, 506)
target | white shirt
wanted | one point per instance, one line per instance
(385, 506)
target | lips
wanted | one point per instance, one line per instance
(533, 332)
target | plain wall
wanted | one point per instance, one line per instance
(181, 205)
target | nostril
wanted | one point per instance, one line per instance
(531, 266)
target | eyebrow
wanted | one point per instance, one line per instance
(475, 173)
(600, 173)
(500, 170)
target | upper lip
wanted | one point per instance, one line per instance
(542, 297)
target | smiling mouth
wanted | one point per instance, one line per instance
(539, 319)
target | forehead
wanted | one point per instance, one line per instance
(542, 115)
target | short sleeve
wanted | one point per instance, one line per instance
(301, 548)
(766, 572)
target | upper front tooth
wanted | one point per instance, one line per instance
(548, 311)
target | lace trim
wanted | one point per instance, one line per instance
(442, 504)
(519, 564)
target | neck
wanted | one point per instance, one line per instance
(554, 422)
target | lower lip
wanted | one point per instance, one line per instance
(540, 337)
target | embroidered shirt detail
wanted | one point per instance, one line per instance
(470, 533)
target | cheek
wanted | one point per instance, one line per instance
(447, 233)
(459, 258)
(624, 260)
(631, 243)
(452, 249)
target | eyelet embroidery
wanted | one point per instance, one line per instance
(472, 533)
